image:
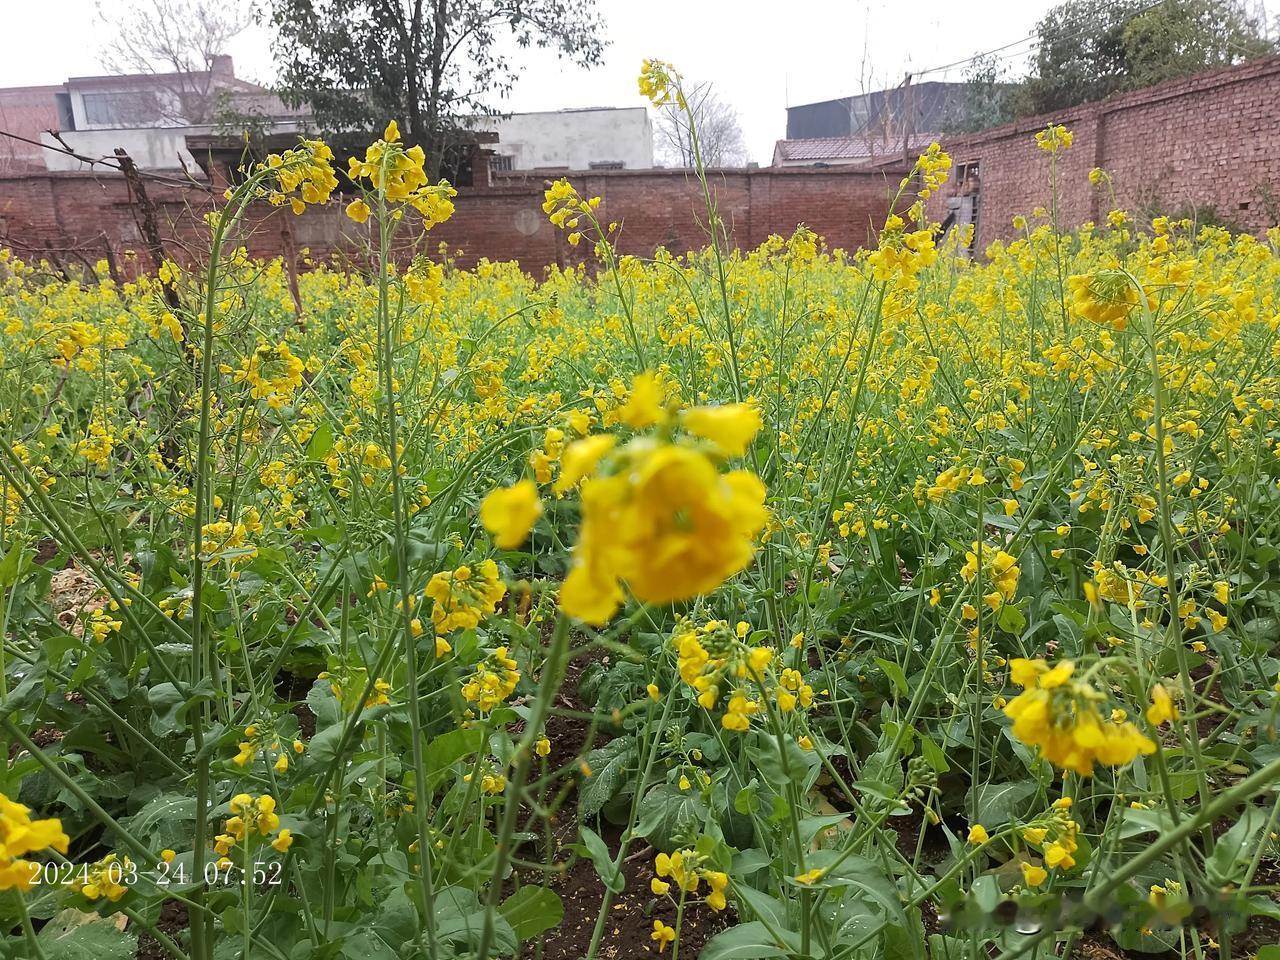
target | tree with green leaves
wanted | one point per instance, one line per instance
(1090, 49)
(428, 64)
(985, 100)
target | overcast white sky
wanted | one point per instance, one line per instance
(762, 56)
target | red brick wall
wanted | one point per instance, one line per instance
(1209, 141)
(499, 222)
(25, 111)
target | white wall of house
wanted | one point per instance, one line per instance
(575, 139)
(152, 148)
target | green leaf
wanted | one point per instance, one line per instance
(668, 814)
(1235, 849)
(747, 862)
(165, 820)
(166, 703)
(769, 909)
(322, 703)
(397, 918)
(323, 748)
(444, 751)
(812, 826)
(933, 755)
(747, 800)
(321, 442)
(1263, 907)
(596, 849)
(609, 766)
(750, 941)
(995, 804)
(459, 919)
(895, 674)
(531, 910)
(986, 893)
(1138, 822)
(14, 564)
(98, 939)
(1011, 620)
(763, 751)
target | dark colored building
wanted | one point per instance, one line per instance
(915, 108)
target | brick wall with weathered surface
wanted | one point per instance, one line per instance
(1208, 143)
(55, 212)
(25, 111)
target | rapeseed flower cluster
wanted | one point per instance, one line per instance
(1054, 138)
(300, 176)
(660, 84)
(1060, 716)
(399, 174)
(1055, 836)
(567, 210)
(20, 835)
(1106, 298)
(494, 680)
(104, 879)
(687, 870)
(251, 818)
(274, 374)
(509, 513)
(657, 513)
(463, 597)
(714, 657)
(261, 739)
(1000, 570)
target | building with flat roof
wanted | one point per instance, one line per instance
(590, 138)
(150, 115)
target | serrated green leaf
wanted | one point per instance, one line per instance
(609, 768)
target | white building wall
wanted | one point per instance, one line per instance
(575, 138)
(153, 148)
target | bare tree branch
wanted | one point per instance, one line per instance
(175, 42)
(719, 133)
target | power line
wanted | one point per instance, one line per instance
(1030, 36)
(976, 56)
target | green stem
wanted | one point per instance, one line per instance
(547, 689)
(1097, 900)
(28, 931)
(426, 879)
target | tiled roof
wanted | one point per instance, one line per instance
(843, 148)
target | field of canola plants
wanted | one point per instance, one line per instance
(783, 603)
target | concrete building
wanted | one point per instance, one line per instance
(151, 116)
(593, 138)
(170, 122)
(870, 127)
(917, 107)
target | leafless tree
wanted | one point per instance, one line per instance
(719, 133)
(176, 42)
